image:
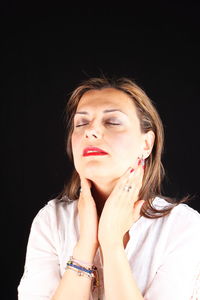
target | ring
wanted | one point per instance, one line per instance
(127, 188)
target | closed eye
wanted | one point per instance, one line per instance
(109, 123)
(80, 125)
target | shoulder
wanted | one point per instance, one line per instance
(181, 212)
(181, 227)
(56, 209)
(53, 221)
(55, 205)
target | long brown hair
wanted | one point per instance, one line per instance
(149, 120)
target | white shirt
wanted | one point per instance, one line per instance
(163, 253)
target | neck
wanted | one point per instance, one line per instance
(101, 192)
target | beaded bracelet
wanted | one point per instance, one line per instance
(89, 272)
(79, 273)
(80, 268)
(80, 262)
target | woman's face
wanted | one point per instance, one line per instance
(106, 119)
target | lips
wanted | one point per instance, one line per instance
(93, 151)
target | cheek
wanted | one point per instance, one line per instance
(126, 146)
(124, 142)
(75, 141)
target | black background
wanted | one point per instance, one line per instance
(47, 51)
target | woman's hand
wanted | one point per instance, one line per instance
(88, 217)
(121, 209)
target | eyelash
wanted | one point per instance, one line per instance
(110, 123)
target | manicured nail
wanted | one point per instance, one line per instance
(139, 162)
(131, 170)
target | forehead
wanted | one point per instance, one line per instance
(106, 98)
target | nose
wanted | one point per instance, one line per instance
(92, 133)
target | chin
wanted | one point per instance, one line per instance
(93, 174)
(95, 170)
(98, 175)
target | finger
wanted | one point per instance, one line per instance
(136, 177)
(133, 172)
(127, 178)
(85, 186)
(123, 179)
(131, 196)
(120, 184)
(137, 207)
(133, 184)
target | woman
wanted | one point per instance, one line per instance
(111, 225)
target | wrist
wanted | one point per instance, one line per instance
(112, 251)
(87, 245)
(84, 252)
(108, 246)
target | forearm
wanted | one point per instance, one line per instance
(119, 282)
(71, 285)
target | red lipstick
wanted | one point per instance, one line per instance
(89, 151)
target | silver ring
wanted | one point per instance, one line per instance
(127, 188)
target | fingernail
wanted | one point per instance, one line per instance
(139, 162)
(131, 170)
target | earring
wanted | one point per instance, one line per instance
(143, 161)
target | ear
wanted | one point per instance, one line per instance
(149, 138)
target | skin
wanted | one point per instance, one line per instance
(106, 211)
(124, 142)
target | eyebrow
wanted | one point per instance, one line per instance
(104, 111)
